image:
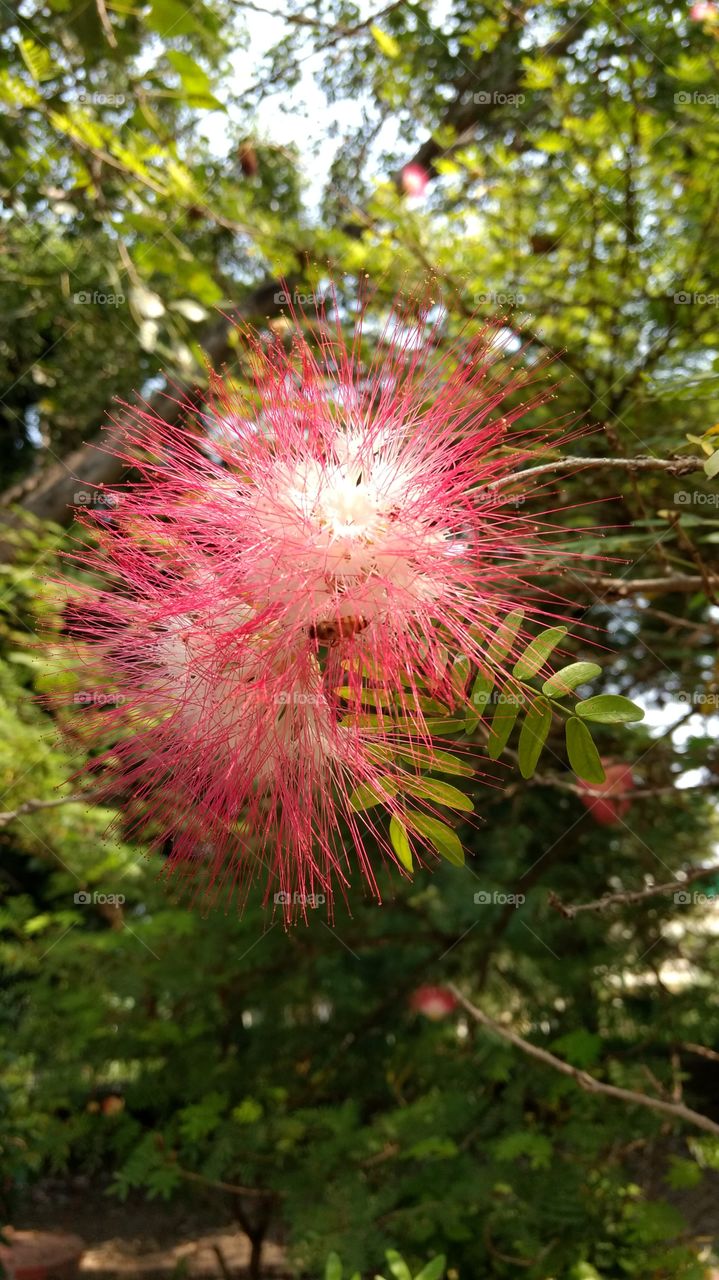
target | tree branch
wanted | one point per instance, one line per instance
(622, 587)
(32, 806)
(570, 910)
(672, 466)
(589, 1083)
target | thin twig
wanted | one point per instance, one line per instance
(233, 1188)
(570, 910)
(31, 806)
(106, 24)
(622, 587)
(585, 1081)
(701, 1050)
(672, 466)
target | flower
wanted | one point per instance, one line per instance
(283, 587)
(704, 12)
(609, 801)
(414, 180)
(435, 1003)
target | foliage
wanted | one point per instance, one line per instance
(572, 152)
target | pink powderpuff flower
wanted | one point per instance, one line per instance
(414, 180)
(436, 1003)
(609, 801)
(705, 12)
(279, 592)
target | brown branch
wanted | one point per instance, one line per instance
(623, 587)
(234, 1189)
(570, 910)
(32, 806)
(700, 1050)
(589, 1083)
(672, 467)
(106, 24)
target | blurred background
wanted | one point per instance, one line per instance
(210, 1094)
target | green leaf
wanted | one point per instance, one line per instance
(569, 677)
(481, 692)
(442, 837)
(400, 843)
(503, 721)
(425, 758)
(440, 793)
(533, 736)
(609, 708)
(460, 675)
(37, 60)
(582, 753)
(711, 466)
(365, 796)
(397, 1265)
(438, 728)
(388, 45)
(507, 630)
(537, 652)
(434, 1269)
(333, 1270)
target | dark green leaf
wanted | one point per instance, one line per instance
(537, 652)
(503, 720)
(609, 708)
(442, 837)
(533, 736)
(400, 843)
(569, 677)
(582, 753)
(440, 793)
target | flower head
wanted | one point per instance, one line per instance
(282, 587)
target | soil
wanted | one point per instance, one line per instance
(150, 1240)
